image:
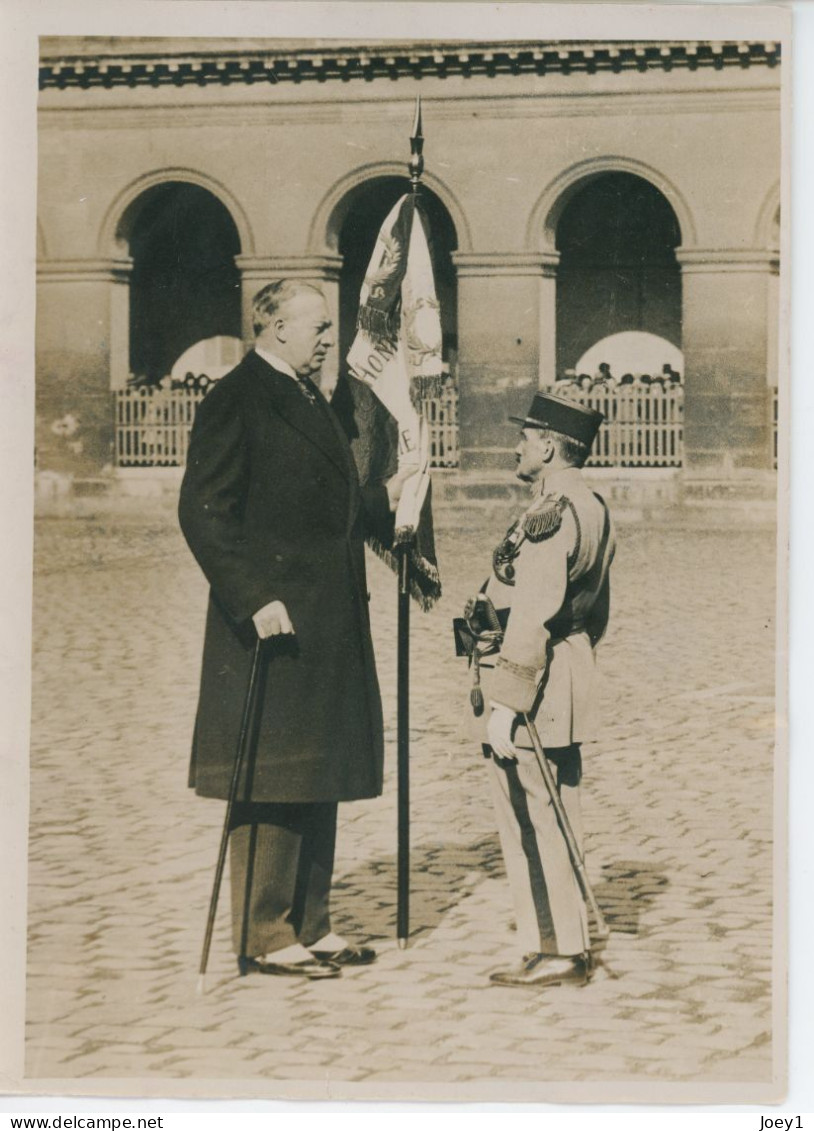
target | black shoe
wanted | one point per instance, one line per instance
(546, 970)
(348, 956)
(309, 968)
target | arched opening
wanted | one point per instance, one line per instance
(633, 352)
(364, 212)
(184, 285)
(618, 270)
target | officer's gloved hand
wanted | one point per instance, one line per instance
(395, 485)
(499, 729)
(273, 620)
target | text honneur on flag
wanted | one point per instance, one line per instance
(397, 353)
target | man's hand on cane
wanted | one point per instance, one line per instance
(273, 620)
(499, 729)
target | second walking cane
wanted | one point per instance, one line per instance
(246, 731)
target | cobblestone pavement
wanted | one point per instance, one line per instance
(678, 811)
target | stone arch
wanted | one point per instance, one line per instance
(123, 212)
(332, 211)
(617, 272)
(354, 226)
(138, 277)
(542, 226)
(767, 227)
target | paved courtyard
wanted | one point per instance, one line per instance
(678, 813)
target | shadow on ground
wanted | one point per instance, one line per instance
(441, 877)
(627, 889)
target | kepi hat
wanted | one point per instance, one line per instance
(564, 416)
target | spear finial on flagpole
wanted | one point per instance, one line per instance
(416, 164)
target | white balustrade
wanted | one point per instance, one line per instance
(153, 425)
(642, 428)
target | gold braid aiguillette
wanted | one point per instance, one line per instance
(546, 520)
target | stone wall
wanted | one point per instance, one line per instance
(505, 153)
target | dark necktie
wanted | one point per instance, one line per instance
(308, 389)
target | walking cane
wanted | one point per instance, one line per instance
(240, 757)
(574, 853)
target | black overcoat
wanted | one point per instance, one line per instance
(272, 509)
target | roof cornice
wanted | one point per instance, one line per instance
(276, 61)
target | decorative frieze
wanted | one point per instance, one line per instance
(388, 61)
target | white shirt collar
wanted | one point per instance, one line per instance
(276, 362)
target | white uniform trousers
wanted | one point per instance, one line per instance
(551, 914)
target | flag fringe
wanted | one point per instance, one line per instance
(425, 388)
(382, 325)
(425, 581)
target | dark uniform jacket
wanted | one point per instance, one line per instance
(272, 509)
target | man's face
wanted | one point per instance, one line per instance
(532, 454)
(304, 329)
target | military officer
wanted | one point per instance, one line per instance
(550, 587)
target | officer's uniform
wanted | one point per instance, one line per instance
(551, 573)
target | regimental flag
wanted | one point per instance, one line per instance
(397, 354)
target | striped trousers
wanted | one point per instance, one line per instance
(281, 859)
(551, 914)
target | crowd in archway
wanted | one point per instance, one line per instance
(195, 382)
(604, 380)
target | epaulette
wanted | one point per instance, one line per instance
(545, 519)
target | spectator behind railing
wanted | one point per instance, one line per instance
(567, 385)
(140, 381)
(196, 382)
(606, 382)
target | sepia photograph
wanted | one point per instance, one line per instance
(410, 464)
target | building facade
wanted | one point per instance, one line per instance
(574, 191)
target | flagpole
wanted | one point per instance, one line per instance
(403, 730)
(416, 167)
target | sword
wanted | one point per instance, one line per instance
(577, 862)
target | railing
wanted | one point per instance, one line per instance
(441, 414)
(153, 426)
(641, 429)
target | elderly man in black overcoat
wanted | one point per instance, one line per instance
(273, 510)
